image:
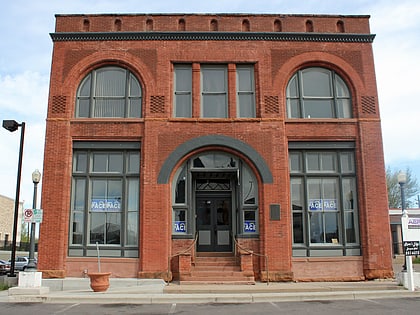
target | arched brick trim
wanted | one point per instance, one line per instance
(212, 140)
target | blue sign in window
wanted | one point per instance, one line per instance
(180, 226)
(250, 226)
(315, 204)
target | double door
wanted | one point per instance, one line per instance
(214, 222)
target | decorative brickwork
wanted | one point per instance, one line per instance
(271, 104)
(157, 104)
(369, 105)
(59, 104)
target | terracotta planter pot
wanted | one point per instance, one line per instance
(99, 281)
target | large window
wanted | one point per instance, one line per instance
(324, 200)
(109, 92)
(105, 199)
(214, 91)
(318, 93)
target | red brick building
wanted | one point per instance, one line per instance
(180, 143)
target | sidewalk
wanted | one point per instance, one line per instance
(137, 291)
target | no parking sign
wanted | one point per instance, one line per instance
(32, 215)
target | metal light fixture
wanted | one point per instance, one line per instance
(12, 126)
(36, 177)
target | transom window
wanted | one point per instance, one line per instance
(105, 199)
(109, 92)
(324, 202)
(214, 90)
(318, 93)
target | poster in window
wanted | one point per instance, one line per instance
(105, 205)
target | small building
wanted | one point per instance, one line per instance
(177, 143)
(7, 213)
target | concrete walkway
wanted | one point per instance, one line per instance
(138, 291)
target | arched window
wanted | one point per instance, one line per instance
(318, 93)
(109, 92)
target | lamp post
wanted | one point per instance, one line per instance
(12, 126)
(402, 179)
(36, 177)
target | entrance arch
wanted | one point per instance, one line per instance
(214, 140)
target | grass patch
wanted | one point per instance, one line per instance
(416, 260)
(3, 286)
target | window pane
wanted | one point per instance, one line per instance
(343, 108)
(347, 162)
(350, 228)
(214, 106)
(183, 79)
(135, 89)
(113, 228)
(115, 162)
(183, 105)
(77, 228)
(314, 191)
(349, 194)
(79, 194)
(341, 87)
(134, 107)
(292, 88)
(97, 228)
(80, 161)
(316, 82)
(316, 227)
(180, 191)
(312, 162)
(111, 107)
(132, 228)
(328, 162)
(133, 194)
(133, 162)
(295, 162)
(293, 109)
(318, 108)
(297, 228)
(245, 78)
(100, 162)
(84, 89)
(83, 105)
(179, 221)
(331, 228)
(249, 187)
(330, 194)
(110, 82)
(214, 80)
(246, 105)
(296, 190)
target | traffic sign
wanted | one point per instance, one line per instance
(32, 215)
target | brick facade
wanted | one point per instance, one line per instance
(278, 46)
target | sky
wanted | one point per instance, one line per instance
(26, 53)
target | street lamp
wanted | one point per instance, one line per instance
(36, 177)
(12, 126)
(402, 179)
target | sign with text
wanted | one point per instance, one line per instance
(105, 205)
(32, 215)
(250, 226)
(411, 235)
(323, 204)
(180, 226)
(412, 248)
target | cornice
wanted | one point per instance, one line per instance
(217, 36)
